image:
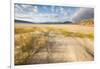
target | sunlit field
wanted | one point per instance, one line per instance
(53, 43)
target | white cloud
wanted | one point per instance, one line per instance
(61, 10)
(35, 9)
(31, 13)
(53, 8)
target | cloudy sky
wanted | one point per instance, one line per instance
(49, 13)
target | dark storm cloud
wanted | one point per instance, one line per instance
(83, 13)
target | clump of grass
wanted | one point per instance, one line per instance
(91, 35)
(89, 50)
(26, 45)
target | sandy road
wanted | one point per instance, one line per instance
(67, 49)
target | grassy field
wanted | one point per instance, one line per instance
(53, 43)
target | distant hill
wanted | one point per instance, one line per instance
(21, 21)
(67, 22)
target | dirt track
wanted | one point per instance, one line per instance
(65, 50)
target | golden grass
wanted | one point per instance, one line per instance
(27, 45)
(63, 31)
(28, 42)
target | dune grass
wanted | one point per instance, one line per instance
(77, 34)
